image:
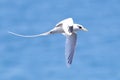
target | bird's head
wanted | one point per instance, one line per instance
(80, 27)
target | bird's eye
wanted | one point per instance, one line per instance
(80, 27)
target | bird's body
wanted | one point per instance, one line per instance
(68, 28)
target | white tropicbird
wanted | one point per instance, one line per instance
(67, 28)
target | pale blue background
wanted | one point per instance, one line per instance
(97, 55)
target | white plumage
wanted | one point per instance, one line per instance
(68, 28)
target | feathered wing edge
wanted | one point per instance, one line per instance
(70, 48)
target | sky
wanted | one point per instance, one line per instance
(97, 51)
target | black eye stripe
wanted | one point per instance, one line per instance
(80, 27)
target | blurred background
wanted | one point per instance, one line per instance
(97, 55)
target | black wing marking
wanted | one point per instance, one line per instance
(70, 30)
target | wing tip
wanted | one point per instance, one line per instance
(68, 64)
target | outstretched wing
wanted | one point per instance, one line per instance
(70, 48)
(43, 34)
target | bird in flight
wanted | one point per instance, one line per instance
(68, 28)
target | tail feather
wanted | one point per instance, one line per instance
(30, 36)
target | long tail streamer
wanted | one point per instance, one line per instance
(37, 35)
